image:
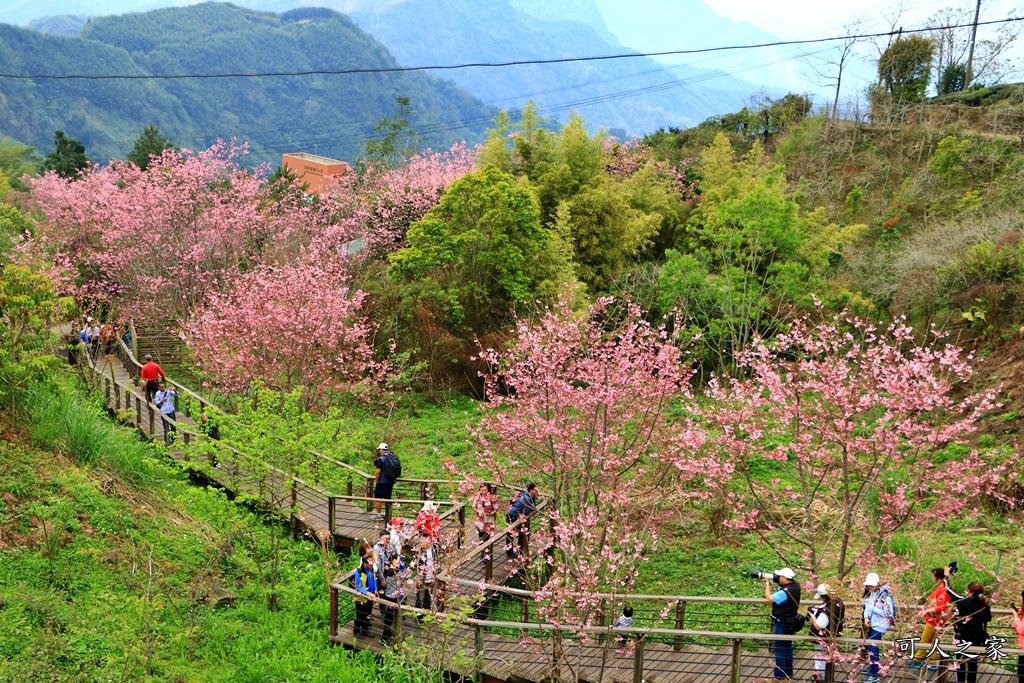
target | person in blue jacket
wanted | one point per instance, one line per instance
(879, 617)
(366, 584)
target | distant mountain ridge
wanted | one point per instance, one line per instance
(452, 31)
(331, 115)
(635, 95)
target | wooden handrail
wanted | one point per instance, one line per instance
(723, 635)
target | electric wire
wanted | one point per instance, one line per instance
(521, 62)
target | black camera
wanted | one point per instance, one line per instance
(952, 568)
(758, 574)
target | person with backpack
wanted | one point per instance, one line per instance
(388, 471)
(879, 617)
(523, 504)
(826, 623)
(786, 617)
(936, 612)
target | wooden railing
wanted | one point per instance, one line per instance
(544, 649)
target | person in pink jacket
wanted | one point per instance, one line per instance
(1018, 626)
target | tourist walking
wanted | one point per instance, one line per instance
(936, 612)
(151, 374)
(971, 628)
(388, 470)
(165, 402)
(624, 621)
(107, 336)
(485, 506)
(523, 505)
(879, 617)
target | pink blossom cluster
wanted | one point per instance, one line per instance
(593, 409)
(853, 418)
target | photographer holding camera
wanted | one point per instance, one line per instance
(786, 617)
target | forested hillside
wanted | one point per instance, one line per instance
(330, 115)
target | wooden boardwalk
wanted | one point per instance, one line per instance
(489, 650)
(526, 652)
(345, 518)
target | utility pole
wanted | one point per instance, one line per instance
(970, 54)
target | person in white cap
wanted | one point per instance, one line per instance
(388, 470)
(879, 617)
(826, 624)
(785, 608)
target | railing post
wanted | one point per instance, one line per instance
(117, 396)
(334, 613)
(830, 668)
(478, 651)
(638, 661)
(294, 517)
(737, 660)
(462, 526)
(488, 564)
(600, 619)
(369, 494)
(524, 611)
(188, 439)
(138, 412)
(524, 537)
(677, 645)
(106, 391)
(152, 421)
(348, 486)
(387, 512)
(397, 631)
(331, 513)
(423, 490)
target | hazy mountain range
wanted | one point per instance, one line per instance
(330, 115)
(629, 96)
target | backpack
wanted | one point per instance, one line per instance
(392, 466)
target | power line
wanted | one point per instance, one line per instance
(522, 62)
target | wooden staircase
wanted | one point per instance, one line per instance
(166, 347)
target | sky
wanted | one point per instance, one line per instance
(801, 19)
(792, 19)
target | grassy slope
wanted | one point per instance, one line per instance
(78, 603)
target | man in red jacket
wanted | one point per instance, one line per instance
(151, 374)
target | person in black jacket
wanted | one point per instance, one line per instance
(785, 607)
(971, 626)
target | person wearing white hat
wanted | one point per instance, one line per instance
(785, 604)
(388, 470)
(826, 623)
(879, 617)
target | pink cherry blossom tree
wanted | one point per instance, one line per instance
(835, 434)
(158, 242)
(593, 408)
(288, 327)
(380, 205)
